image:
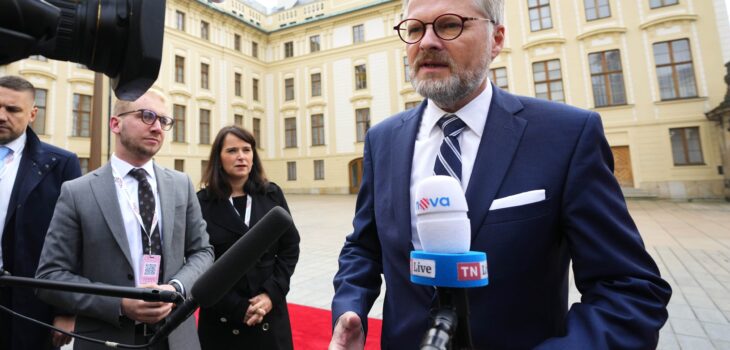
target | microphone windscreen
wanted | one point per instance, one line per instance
(437, 194)
(441, 220)
(240, 257)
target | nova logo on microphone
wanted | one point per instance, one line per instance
(426, 203)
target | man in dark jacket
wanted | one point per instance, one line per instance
(31, 173)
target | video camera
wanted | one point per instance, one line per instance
(120, 38)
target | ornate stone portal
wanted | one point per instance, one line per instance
(721, 115)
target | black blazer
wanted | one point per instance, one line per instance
(221, 326)
(42, 170)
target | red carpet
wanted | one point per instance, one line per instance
(312, 328)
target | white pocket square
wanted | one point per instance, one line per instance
(518, 199)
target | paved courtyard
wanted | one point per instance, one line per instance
(690, 242)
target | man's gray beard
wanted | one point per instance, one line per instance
(446, 93)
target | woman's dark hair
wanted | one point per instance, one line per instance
(215, 179)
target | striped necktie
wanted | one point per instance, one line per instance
(448, 160)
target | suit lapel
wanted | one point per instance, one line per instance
(165, 189)
(105, 193)
(34, 165)
(500, 140)
(404, 141)
(223, 214)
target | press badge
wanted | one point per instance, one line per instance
(150, 269)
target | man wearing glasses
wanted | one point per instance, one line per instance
(538, 180)
(129, 223)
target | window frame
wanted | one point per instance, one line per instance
(237, 84)
(673, 65)
(290, 132)
(317, 122)
(596, 9)
(180, 20)
(318, 165)
(548, 82)
(315, 44)
(288, 49)
(686, 147)
(358, 33)
(204, 126)
(205, 30)
(289, 94)
(539, 8)
(204, 76)
(179, 69)
(606, 74)
(362, 123)
(82, 117)
(662, 3)
(316, 84)
(178, 129)
(39, 124)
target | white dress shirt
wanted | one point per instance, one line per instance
(429, 139)
(7, 180)
(124, 182)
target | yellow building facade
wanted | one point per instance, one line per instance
(311, 79)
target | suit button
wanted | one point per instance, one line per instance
(130, 277)
(265, 326)
(223, 320)
(236, 332)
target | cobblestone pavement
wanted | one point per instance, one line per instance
(690, 242)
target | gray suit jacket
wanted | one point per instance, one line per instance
(87, 243)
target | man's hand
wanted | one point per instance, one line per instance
(259, 306)
(66, 323)
(348, 334)
(146, 311)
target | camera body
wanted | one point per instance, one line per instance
(120, 38)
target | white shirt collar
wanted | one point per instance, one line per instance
(122, 168)
(18, 144)
(474, 114)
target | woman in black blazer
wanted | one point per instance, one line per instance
(236, 194)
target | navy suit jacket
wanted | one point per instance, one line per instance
(527, 144)
(42, 169)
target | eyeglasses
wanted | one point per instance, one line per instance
(149, 117)
(447, 27)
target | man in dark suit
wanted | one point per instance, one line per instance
(129, 223)
(538, 181)
(31, 173)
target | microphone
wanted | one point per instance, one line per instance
(445, 261)
(213, 284)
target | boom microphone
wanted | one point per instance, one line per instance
(229, 268)
(445, 261)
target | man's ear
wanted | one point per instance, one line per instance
(497, 39)
(115, 124)
(33, 113)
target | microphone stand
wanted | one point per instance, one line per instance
(187, 306)
(450, 329)
(88, 288)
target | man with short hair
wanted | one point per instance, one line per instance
(549, 167)
(129, 223)
(31, 173)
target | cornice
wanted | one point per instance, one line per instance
(545, 41)
(665, 19)
(601, 31)
(32, 71)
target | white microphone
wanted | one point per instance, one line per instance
(445, 261)
(441, 220)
